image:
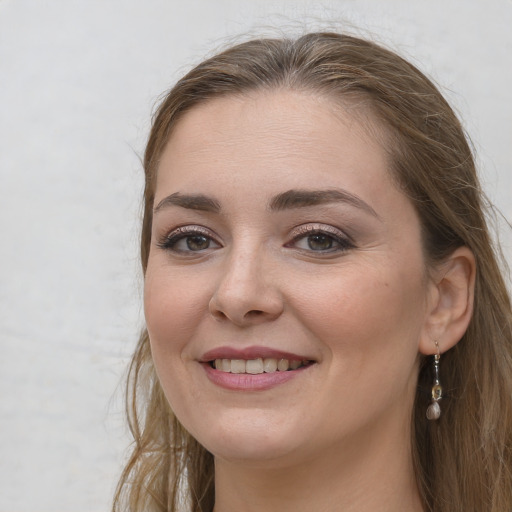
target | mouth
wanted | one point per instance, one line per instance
(259, 365)
(253, 368)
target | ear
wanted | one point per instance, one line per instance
(450, 302)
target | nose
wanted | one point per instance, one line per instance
(247, 292)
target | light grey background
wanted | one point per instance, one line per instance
(78, 80)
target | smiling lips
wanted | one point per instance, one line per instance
(252, 369)
(258, 366)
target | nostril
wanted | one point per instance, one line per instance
(220, 315)
(254, 312)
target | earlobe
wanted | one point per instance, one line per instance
(451, 304)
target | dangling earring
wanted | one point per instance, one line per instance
(434, 410)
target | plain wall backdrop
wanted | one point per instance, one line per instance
(78, 82)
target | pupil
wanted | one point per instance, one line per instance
(320, 242)
(197, 243)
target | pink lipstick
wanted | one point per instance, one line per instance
(253, 368)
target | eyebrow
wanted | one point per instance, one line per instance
(285, 201)
(191, 202)
(303, 198)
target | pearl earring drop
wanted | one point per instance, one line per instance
(434, 409)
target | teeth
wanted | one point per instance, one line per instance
(295, 364)
(257, 366)
(269, 365)
(283, 365)
(237, 366)
(254, 366)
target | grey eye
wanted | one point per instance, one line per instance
(320, 242)
(190, 242)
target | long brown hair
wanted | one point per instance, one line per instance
(462, 462)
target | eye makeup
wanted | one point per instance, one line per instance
(320, 238)
(191, 238)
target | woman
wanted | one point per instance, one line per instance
(327, 324)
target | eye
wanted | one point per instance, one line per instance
(188, 239)
(192, 243)
(325, 239)
(320, 242)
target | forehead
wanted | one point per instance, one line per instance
(274, 134)
(283, 113)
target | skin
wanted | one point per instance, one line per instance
(336, 436)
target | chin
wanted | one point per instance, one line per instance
(252, 439)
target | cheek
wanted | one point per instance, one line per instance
(370, 328)
(172, 307)
(366, 316)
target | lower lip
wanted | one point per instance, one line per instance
(249, 382)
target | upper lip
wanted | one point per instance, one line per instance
(254, 352)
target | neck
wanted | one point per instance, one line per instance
(365, 475)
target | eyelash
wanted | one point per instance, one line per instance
(171, 240)
(341, 241)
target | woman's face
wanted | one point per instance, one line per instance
(279, 240)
